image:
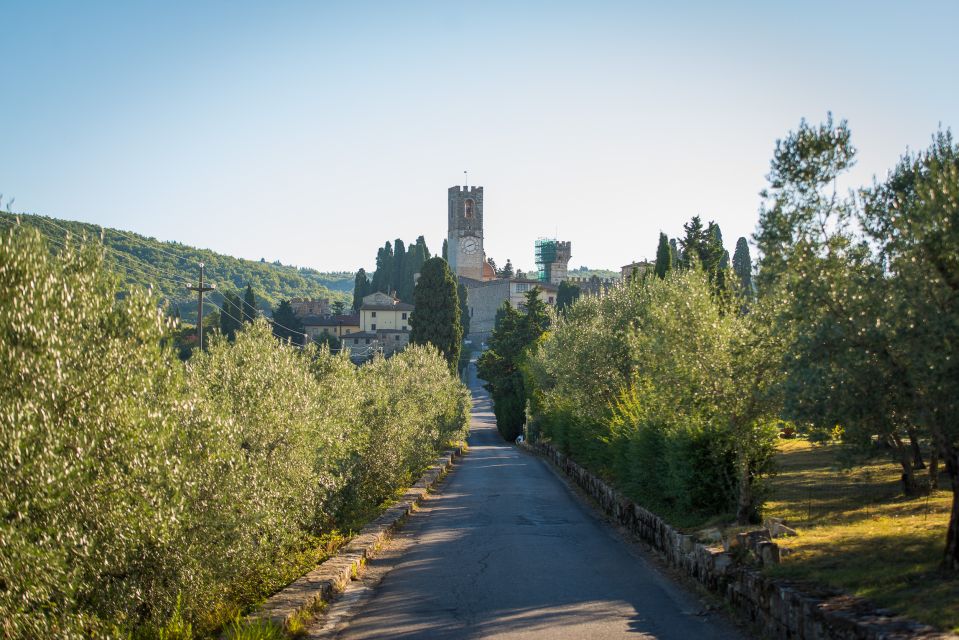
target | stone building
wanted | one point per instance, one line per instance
(335, 325)
(639, 268)
(594, 285)
(303, 307)
(552, 259)
(485, 298)
(464, 238)
(384, 327)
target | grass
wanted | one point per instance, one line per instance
(859, 533)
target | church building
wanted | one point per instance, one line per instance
(467, 259)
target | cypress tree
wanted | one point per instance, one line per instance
(664, 256)
(743, 265)
(383, 276)
(445, 250)
(249, 305)
(436, 317)
(566, 296)
(361, 287)
(464, 308)
(676, 256)
(398, 273)
(231, 318)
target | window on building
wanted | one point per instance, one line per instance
(374, 326)
(551, 299)
(522, 287)
(396, 337)
(356, 340)
(404, 315)
(404, 327)
(367, 341)
(373, 314)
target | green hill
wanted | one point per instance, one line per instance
(170, 266)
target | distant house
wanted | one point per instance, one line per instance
(338, 325)
(380, 311)
(303, 307)
(639, 268)
(384, 327)
(485, 298)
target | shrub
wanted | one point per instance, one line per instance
(150, 497)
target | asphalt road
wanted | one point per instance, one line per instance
(506, 550)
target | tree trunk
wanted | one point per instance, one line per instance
(950, 560)
(934, 468)
(903, 455)
(745, 511)
(917, 462)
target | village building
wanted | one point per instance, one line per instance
(303, 307)
(384, 327)
(466, 256)
(338, 326)
(639, 268)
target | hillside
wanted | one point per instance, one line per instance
(170, 266)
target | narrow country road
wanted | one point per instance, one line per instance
(505, 550)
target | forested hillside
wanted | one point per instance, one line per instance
(169, 266)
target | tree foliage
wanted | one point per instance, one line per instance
(501, 365)
(873, 310)
(171, 264)
(286, 324)
(566, 295)
(436, 317)
(653, 386)
(136, 486)
(664, 256)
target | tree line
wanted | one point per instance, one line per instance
(677, 384)
(152, 498)
(395, 267)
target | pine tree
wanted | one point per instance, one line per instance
(249, 305)
(445, 250)
(664, 256)
(436, 317)
(286, 326)
(361, 288)
(507, 270)
(694, 242)
(743, 266)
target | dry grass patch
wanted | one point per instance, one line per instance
(858, 532)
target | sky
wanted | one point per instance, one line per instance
(313, 132)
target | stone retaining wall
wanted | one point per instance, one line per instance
(778, 608)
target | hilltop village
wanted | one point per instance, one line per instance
(379, 321)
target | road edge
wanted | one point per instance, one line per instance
(295, 604)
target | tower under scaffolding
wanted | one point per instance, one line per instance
(552, 259)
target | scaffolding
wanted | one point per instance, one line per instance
(552, 257)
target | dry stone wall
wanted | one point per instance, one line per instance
(778, 608)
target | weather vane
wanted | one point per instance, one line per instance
(466, 179)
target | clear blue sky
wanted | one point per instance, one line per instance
(312, 132)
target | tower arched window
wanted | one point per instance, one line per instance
(468, 209)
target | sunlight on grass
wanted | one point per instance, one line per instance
(859, 533)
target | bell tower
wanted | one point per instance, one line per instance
(464, 237)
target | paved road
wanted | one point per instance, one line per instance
(506, 550)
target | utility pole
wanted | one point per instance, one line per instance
(201, 290)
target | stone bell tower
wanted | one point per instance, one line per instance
(464, 237)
